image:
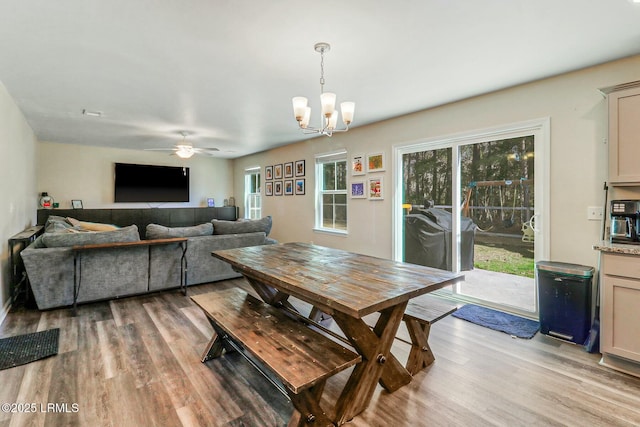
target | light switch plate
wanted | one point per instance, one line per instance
(594, 213)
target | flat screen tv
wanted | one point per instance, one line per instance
(149, 183)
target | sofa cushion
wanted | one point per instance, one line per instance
(242, 226)
(124, 234)
(156, 231)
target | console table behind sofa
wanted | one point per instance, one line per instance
(169, 217)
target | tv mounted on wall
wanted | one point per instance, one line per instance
(149, 183)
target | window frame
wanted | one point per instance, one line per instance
(250, 174)
(320, 161)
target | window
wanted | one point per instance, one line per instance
(252, 198)
(331, 192)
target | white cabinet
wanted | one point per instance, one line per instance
(620, 312)
(624, 133)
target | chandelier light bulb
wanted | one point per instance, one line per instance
(299, 107)
(333, 120)
(348, 108)
(328, 101)
(305, 118)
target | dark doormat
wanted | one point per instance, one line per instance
(23, 349)
(504, 322)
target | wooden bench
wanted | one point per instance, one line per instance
(420, 314)
(299, 357)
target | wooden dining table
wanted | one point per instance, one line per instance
(347, 286)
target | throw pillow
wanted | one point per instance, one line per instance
(157, 231)
(242, 226)
(124, 234)
(56, 224)
(91, 226)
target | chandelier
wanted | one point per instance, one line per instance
(329, 117)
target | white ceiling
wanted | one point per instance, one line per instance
(225, 70)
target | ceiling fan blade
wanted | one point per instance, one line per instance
(159, 149)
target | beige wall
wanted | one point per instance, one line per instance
(70, 172)
(18, 183)
(578, 158)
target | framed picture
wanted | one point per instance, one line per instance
(358, 190)
(76, 204)
(288, 170)
(300, 186)
(357, 164)
(277, 190)
(375, 162)
(300, 168)
(268, 188)
(376, 188)
(288, 186)
(268, 173)
(211, 203)
(277, 171)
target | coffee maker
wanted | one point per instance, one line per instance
(625, 221)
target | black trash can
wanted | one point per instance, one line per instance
(564, 297)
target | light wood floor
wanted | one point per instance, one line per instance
(135, 362)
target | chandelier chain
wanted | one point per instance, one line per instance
(322, 71)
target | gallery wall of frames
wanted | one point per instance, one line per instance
(362, 185)
(285, 179)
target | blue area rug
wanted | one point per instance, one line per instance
(504, 322)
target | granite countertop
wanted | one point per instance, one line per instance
(617, 248)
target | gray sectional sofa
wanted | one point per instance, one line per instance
(119, 271)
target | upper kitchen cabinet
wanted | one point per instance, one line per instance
(624, 133)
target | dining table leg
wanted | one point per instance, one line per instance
(269, 294)
(378, 364)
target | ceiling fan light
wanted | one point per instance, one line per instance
(348, 108)
(185, 151)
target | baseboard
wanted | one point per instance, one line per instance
(4, 311)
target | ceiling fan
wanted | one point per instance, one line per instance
(186, 149)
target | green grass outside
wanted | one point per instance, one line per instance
(515, 260)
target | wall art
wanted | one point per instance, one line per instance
(358, 190)
(375, 162)
(288, 170)
(277, 171)
(300, 168)
(357, 164)
(376, 188)
(288, 187)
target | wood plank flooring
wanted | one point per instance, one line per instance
(135, 362)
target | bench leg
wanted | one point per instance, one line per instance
(420, 355)
(307, 408)
(217, 344)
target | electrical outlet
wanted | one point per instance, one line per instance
(594, 213)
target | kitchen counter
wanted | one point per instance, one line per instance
(617, 248)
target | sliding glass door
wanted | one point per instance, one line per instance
(475, 204)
